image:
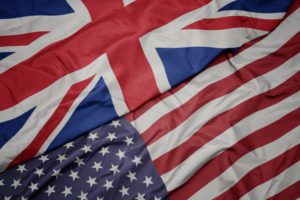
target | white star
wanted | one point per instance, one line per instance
(111, 136)
(129, 140)
(74, 175)
(69, 145)
(98, 198)
(67, 191)
(16, 183)
(33, 186)
(131, 176)
(121, 154)
(56, 173)
(97, 166)
(93, 136)
(140, 196)
(39, 172)
(115, 123)
(82, 196)
(157, 198)
(104, 151)
(23, 198)
(114, 168)
(50, 190)
(108, 184)
(86, 148)
(21, 168)
(124, 191)
(79, 161)
(147, 180)
(7, 198)
(137, 160)
(91, 181)
(43, 158)
(1, 182)
(61, 157)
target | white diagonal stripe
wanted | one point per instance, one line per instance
(248, 162)
(217, 106)
(229, 137)
(275, 185)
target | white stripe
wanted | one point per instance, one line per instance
(275, 185)
(60, 27)
(227, 13)
(48, 100)
(114, 87)
(248, 162)
(127, 2)
(227, 38)
(248, 125)
(287, 29)
(217, 106)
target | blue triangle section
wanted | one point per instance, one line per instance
(21, 8)
(182, 63)
(9, 128)
(5, 54)
(261, 6)
(96, 109)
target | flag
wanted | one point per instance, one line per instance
(230, 132)
(69, 66)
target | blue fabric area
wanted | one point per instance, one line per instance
(9, 128)
(5, 54)
(97, 108)
(260, 6)
(182, 63)
(21, 8)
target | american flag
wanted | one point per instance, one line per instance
(230, 132)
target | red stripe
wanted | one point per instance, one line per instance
(33, 148)
(235, 22)
(222, 122)
(109, 30)
(174, 118)
(20, 40)
(215, 167)
(292, 192)
(262, 173)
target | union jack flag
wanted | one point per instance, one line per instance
(68, 67)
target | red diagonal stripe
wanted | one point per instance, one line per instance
(33, 148)
(223, 161)
(218, 125)
(262, 173)
(20, 40)
(235, 22)
(292, 192)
